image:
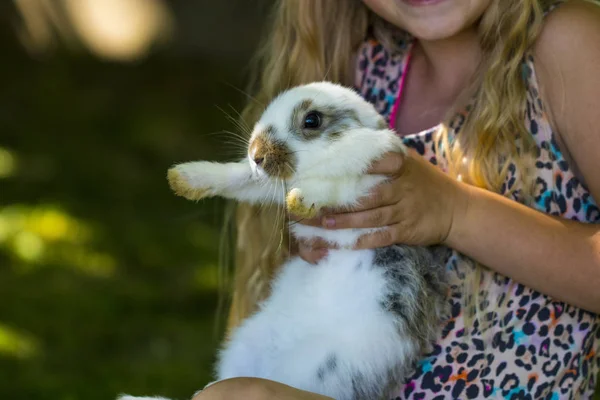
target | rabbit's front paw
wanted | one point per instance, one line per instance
(180, 183)
(296, 204)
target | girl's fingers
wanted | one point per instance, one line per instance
(382, 238)
(381, 195)
(384, 194)
(390, 164)
(313, 251)
(310, 255)
(373, 218)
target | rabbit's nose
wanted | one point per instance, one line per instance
(259, 160)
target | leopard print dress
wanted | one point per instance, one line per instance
(540, 348)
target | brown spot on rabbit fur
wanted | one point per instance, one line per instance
(277, 159)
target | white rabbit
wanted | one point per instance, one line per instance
(354, 325)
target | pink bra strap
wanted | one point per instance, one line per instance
(392, 124)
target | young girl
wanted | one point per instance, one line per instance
(500, 100)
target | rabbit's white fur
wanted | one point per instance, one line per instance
(318, 316)
(337, 328)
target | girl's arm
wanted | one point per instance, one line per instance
(556, 256)
(254, 389)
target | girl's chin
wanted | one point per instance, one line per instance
(422, 3)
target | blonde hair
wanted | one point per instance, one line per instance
(315, 39)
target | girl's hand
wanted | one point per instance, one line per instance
(254, 389)
(418, 205)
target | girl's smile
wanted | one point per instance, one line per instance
(430, 19)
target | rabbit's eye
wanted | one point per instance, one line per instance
(312, 120)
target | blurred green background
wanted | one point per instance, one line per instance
(108, 281)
